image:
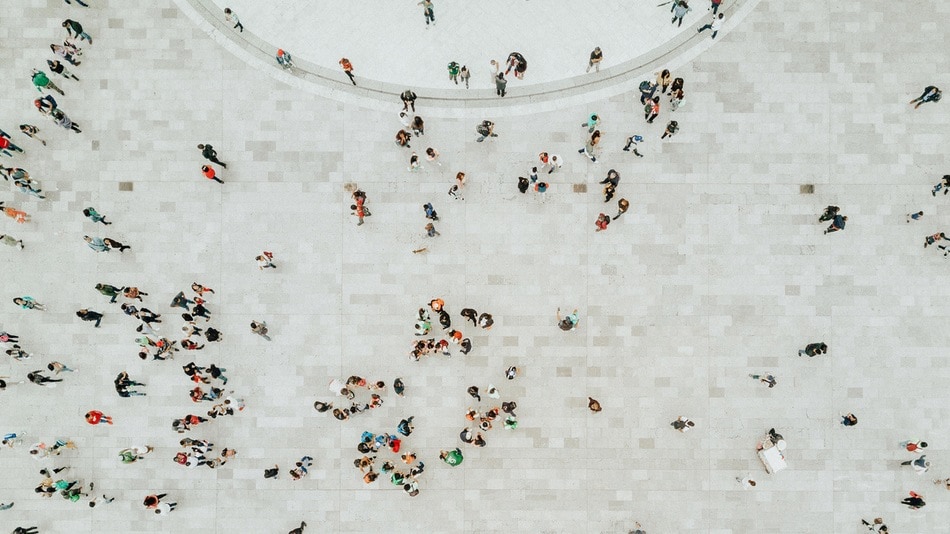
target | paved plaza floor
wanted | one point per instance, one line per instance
(719, 270)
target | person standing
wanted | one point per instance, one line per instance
(347, 69)
(58, 68)
(595, 58)
(429, 11)
(432, 156)
(715, 25)
(27, 303)
(568, 322)
(915, 501)
(715, 6)
(431, 231)
(210, 154)
(500, 84)
(209, 173)
(231, 16)
(663, 79)
(464, 75)
(74, 29)
(41, 81)
(11, 241)
(602, 221)
(930, 94)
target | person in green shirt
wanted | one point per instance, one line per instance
(109, 291)
(95, 216)
(454, 72)
(41, 81)
(452, 458)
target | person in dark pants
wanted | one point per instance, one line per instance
(299, 530)
(87, 315)
(211, 155)
(25, 530)
(429, 11)
(837, 224)
(408, 100)
(930, 94)
(470, 314)
(112, 243)
(914, 501)
(38, 378)
(500, 84)
(813, 349)
(348, 69)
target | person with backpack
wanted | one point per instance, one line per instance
(930, 94)
(485, 129)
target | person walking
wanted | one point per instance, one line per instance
(671, 128)
(633, 141)
(568, 322)
(11, 241)
(485, 129)
(453, 458)
(74, 30)
(813, 349)
(209, 173)
(87, 315)
(663, 79)
(651, 110)
(96, 243)
(95, 417)
(109, 291)
(715, 25)
(930, 94)
(500, 84)
(849, 420)
(596, 56)
(408, 100)
(464, 75)
(454, 72)
(27, 303)
(94, 216)
(38, 378)
(590, 146)
(285, 60)
(622, 206)
(260, 328)
(593, 405)
(347, 69)
(920, 464)
(680, 9)
(28, 130)
(837, 224)
(231, 17)
(429, 10)
(603, 220)
(915, 501)
(431, 231)
(266, 261)
(113, 244)
(915, 216)
(6, 144)
(210, 154)
(591, 123)
(432, 156)
(58, 68)
(41, 81)
(715, 6)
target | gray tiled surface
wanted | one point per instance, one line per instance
(717, 271)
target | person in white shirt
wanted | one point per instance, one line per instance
(715, 25)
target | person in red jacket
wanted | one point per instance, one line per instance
(94, 417)
(209, 174)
